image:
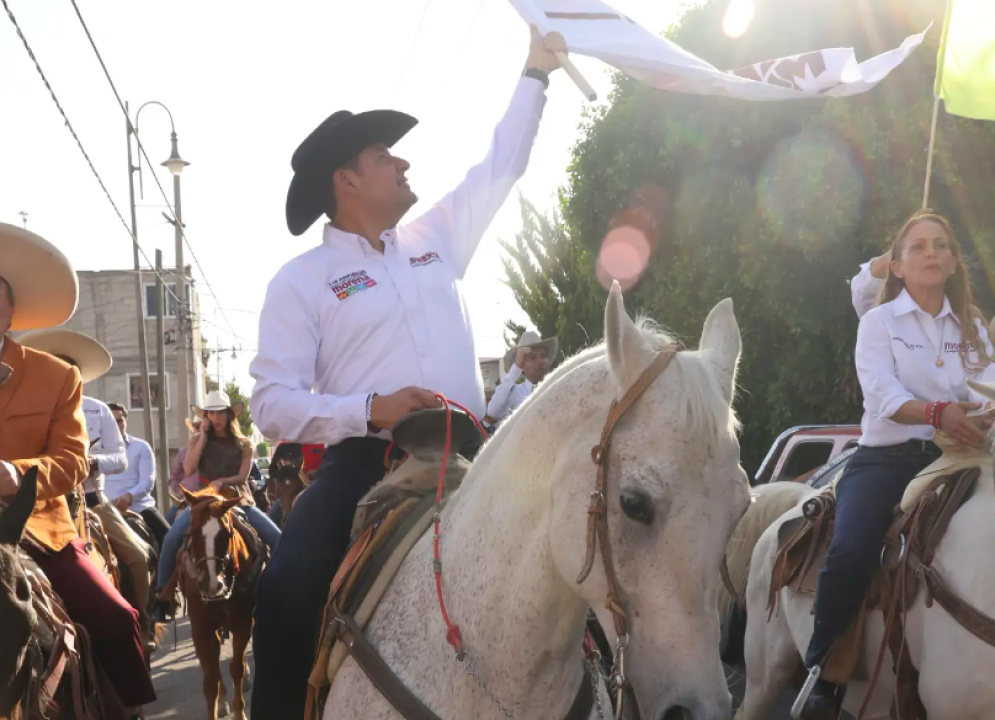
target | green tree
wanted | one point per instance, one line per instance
(235, 395)
(262, 450)
(772, 204)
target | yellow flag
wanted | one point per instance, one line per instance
(965, 75)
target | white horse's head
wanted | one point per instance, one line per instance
(675, 491)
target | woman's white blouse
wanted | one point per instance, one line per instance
(897, 349)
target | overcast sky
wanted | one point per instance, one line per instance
(246, 82)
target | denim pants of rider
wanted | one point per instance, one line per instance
(293, 589)
(871, 486)
(268, 533)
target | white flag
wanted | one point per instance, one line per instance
(591, 27)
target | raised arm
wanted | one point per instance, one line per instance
(63, 466)
(866, 286)
(465, 213)
(497, 408)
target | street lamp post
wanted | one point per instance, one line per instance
(175, 164)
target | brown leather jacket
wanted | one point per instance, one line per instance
(41, 424)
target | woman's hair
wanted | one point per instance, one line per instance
(957, 287)
(234, 429)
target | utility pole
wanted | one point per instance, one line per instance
(143, 352)
(162, 456)
(184, 344)
(24, 218)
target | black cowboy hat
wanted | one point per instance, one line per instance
(340, 138)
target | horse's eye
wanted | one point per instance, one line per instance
(636, 504)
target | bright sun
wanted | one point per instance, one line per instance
(737, 18)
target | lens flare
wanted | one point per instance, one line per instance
(624, 256)
(738, 17)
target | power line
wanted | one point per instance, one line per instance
(79, 143)
(141, 149)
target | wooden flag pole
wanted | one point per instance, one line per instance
(579, 80)
(941, 57)
(929, 154)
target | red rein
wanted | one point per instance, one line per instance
(453, 636)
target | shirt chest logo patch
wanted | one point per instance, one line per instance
(426, 259)
(351, 284)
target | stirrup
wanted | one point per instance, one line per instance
(806, 691)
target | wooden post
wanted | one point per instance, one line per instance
(162, 456)
(941, 56)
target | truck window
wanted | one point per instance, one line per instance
(805, 457)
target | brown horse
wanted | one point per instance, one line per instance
(220, 561)
(46, 670)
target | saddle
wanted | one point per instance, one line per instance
(389, 520)
(910, 545)
(69, 655)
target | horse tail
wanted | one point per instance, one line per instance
(768, 503)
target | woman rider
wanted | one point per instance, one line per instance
(222, 456)
(914, 355)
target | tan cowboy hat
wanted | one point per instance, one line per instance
(44, 282)
(217, 400)
(92, 358)
(192, 425)
(531, 339)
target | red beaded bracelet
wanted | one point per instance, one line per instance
(929, 412)
(940, 407)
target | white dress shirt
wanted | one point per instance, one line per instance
(897, 347)
(342, 320)
(105, 443)
(511, 393)
(138, 478)
(865, 289)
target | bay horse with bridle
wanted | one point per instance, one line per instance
(219, 564)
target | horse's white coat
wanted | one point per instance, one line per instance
(955, 667)
(513, 542)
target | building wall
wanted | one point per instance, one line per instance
(107, 312)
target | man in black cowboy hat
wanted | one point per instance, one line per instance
(360, 331)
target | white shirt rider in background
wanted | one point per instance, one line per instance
(532, 358)
(107, 454)
(914, 355)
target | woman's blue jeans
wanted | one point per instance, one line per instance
(268, 532)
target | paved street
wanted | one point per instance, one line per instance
(177, 677)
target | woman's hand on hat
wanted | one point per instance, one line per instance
(388, 409)
(542, 49)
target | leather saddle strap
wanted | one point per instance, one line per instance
(975, 622)
(404, 701)
(597, 514)
(367, 657)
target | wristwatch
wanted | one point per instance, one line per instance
(540, 75)
(369, 413)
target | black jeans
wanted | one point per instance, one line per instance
(866, 496)
(157, 524)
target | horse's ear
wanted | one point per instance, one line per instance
(229, 504)
(721, 345)
(15, 515)
(188, 495)
(627, 350)
(986, 390)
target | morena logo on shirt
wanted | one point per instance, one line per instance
(351, 284)
(426, 259)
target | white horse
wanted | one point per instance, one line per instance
(955, 667)
(513, 543)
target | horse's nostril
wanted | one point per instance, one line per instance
(677, 713)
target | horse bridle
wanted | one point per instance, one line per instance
(597, 524)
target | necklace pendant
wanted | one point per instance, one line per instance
(939, 362)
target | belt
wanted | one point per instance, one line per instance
(910, 447)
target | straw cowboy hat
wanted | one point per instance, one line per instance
(217, 400)
(92, 358)
(44, 282)
(531, 339)
(336, 141)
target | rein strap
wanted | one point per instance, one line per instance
(597, 512)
